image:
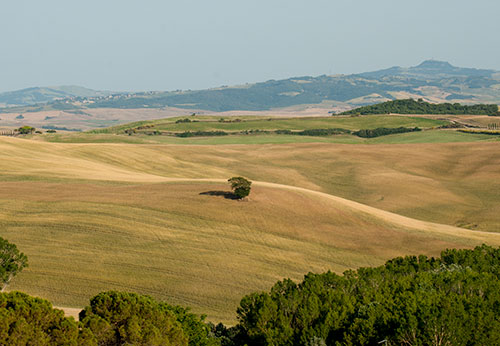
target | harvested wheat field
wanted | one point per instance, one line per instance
(154, 219)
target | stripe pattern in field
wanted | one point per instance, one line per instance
(179, 244)
(145, 218)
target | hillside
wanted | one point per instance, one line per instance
(410, 106)
(31, 96)
(433, 81)
(255, 125)
(153, 219)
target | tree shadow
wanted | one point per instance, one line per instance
(225, 194)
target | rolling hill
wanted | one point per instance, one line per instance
(36, 95)
(434, 81)
(152, 218)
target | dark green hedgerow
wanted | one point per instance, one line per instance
(384, 131)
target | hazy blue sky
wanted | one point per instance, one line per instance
(192, 44)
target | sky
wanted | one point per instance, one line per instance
(139, 45)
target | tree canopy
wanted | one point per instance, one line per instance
(118, 318)
(241, 186)
(25, 130)
(11, 262)
(452, 300)
(26, 320)
(411, 106)
(383, 131)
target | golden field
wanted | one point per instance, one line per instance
(137, 217)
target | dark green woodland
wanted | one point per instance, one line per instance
(410, 106)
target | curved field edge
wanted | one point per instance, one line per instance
(185, 244)
(151, 219)
(449, 183)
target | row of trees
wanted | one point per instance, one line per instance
(28, 130)
(450, 300)
(384, 131)
(309, 132)
(201, 134)
(366, 133)
(314, 132)
(411, 106)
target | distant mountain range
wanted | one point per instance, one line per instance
(433, 81)
(36, 95)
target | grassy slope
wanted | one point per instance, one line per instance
(100, 216)
(210, 123)
(251, 123)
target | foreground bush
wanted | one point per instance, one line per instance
(453, 300)
(26, 320)
(119, 318)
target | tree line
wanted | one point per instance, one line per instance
(411, 106)
(384, 131)
(365, 133)
(453, 299)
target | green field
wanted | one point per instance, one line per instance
(430, 136)
(143, 131)
(211, 123)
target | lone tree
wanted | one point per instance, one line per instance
(240, 186)
(11, 262)
(26, 130)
